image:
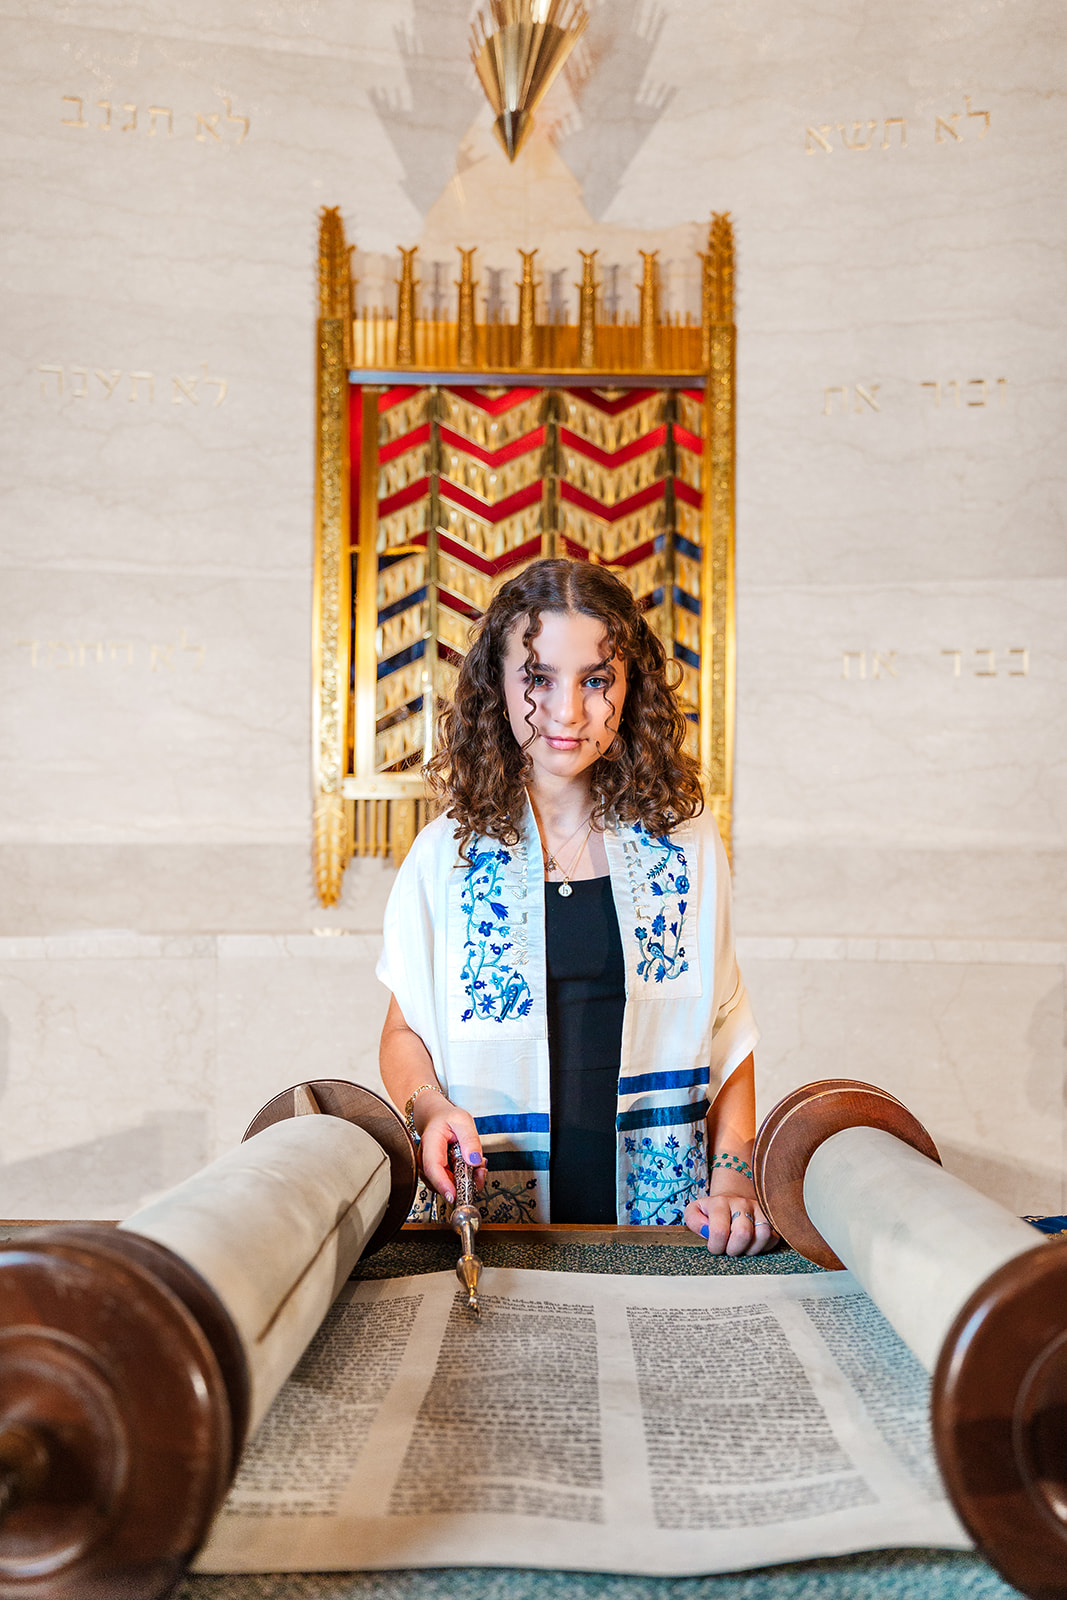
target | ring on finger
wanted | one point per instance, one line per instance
(735, 1214)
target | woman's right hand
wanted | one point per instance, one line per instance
(439, 1124)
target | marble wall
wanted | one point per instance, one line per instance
(900, 829)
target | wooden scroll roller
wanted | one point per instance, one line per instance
(849, 1178)
(135, 1361)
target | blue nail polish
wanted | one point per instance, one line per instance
(474, 1159)
(704, 1231)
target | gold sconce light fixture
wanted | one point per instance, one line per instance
(517, 47)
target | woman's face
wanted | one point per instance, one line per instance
(577, 693)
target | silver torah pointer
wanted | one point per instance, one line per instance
(466, 1219)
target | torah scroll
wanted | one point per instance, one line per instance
(135, 1361)
(850, 1178)
(194, 1311)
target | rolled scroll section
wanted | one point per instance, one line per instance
(274, 1228)
(849, 1178)
(917, 1238)
(134, 1361)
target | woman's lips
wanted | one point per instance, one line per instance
(560, 743)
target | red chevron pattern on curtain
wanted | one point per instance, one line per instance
(474, 483)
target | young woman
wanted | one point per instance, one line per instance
(565, 1000)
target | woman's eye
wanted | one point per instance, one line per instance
(536, 680)
(598, 683)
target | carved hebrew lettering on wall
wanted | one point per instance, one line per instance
(975, 394)
(883, 664)
(861, 133)
(232, 117)
(856, 140)
(975, 115)
(980, 662)
(866, 398)
(74, 122)
(142, 385)
(186, 648)
(219, 383)
(229, 126)
(83, 654)
(818, 139)
(975, 389)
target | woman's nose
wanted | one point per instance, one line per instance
(568, 703)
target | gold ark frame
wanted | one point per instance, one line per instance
(450, 453)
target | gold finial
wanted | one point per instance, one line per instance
(405, 307)
(587, 310)
(721, 250)
(527, 311)
(337, 286)
(649, 309)
(517, 47)
(466, 286)
(717, 280)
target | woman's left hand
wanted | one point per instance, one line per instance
(732, 1223)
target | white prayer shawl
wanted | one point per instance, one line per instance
(464, 955)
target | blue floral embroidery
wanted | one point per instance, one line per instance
(515, 1204)
(424, 1206)
(662, 1178)
(494, 987)
(662, 950)
(500, 1202)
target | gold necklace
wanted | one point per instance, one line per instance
(565, 887)
(551, 864)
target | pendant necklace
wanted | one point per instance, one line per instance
(552, 865)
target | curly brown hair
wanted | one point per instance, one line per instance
(480, 770)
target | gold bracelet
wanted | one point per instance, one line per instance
(409, 1108)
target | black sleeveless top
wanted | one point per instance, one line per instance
(586, 997)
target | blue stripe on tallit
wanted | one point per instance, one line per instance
(662, 1116)
(517, 1160)
(647, 1081)
(525, 1122)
